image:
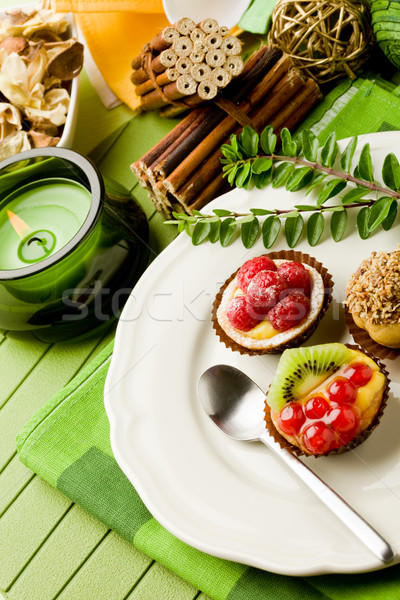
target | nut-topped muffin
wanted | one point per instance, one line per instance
(373, 297)
(274, 301)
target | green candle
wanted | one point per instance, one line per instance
(39, 219)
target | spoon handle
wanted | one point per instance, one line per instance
(361, 529)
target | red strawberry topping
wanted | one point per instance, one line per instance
(289, 312)
(264, 291)
(238, 315)
(296, 276)
(250, 268)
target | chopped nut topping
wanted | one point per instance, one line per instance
(373, 291)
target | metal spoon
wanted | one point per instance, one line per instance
(236, 404)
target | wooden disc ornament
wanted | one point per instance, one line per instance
(326, 39)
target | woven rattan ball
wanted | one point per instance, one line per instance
(326, 39)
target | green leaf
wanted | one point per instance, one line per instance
(188, 228)
(310, 145)
(293, 229)
(317, 179)
(210, 219)
(245, 219)
(329, 151)
(315, 228)
(280, 173)
(228, 152)
(289, 147)
(183, 217)
(248, 140)
(222, 212)
(270, 231)
(299, 179)
(390, 219)
(235, 146)
(338, 224)
(354, 195)
(243, 174)
(362, 223)
(391, 172)
(181, 226)
(260, 165)
(260, 181)
(268, 140)
(232, 174)
(198, 213)
(365, 164)
(213, 235)
(378, 212)
(305, 207)
(200, 232)
(227, 230)
(249, 232)
(348, 154)
(331, 188)
(261, 212)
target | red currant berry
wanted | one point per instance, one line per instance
(264, 291)
(238, 315)
(289, 312)
(291, 418)
(359, 373)
(250, 268)
(342, 391)
(296, 276)
(344, 422)
(316, 407)
(318, 438)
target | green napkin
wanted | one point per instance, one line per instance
(67, 441)
(257, 17)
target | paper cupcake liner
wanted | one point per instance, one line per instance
(303, 336)
(362, 337)
(284, 443)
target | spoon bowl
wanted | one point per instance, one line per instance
(236, 405)
(233, 401)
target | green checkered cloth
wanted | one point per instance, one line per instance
(67, 443)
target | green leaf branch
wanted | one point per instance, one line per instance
(252, 160)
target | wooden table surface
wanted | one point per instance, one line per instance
(49, 547)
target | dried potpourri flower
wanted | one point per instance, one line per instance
(37, 63)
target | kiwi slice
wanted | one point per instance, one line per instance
(300, 370)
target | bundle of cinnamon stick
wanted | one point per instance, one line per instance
(183, 171)
(186, 61)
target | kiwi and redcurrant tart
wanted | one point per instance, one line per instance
(325, 398)
(272, 302)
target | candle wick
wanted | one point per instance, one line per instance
(35, 239)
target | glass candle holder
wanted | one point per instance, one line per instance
(69, 255)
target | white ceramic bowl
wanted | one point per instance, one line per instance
(226, 12)
(67, 136)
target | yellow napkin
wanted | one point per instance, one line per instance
(116, 31)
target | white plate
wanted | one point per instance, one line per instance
(231, 499)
